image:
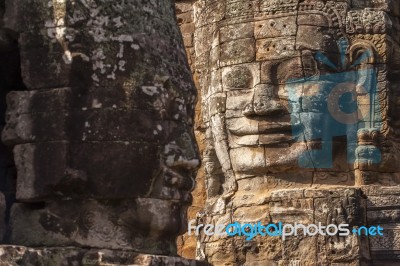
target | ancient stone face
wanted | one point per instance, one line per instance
(105, 128)
(290, 88)
(296, 94)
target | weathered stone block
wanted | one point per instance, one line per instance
(238, 51)
(214, 57)
(188, 40)
(237, 31)
(240, 8)
(111, 172)
(215, 82)
(218, 103)
(319, 39)
(124, 225)
(187, 27)
(291, 210)
(383, 207)
(275, 48)
(33, 15)
(36, 181)
(240, 141)
(41, 69)
(390, 6)
(201, 37)
(36, 127)
(238, 100)
(245, 159)
(208, 18)
(335, 177)
(61, 169)
(276, 26)
(318, 19)
(118, 125)
(280, 158)
(182, 7)
(25, 102)
(226, 254)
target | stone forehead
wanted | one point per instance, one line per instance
(277, 6)
(336, 14)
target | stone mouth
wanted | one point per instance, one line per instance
(180, 178)
(265, 139)
(177, 186)
(264, 128)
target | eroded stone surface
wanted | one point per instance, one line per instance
(306, 206)
(113, 224)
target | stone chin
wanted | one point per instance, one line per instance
(163, 212)
(162, 217)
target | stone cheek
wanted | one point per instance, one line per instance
(64, 175)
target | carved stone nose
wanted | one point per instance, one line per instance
(263, 106)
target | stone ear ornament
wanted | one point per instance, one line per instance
(372, 97)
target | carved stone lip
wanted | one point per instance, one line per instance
(265, 128)
(179, 185)
(264, 139)
(182, 180)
